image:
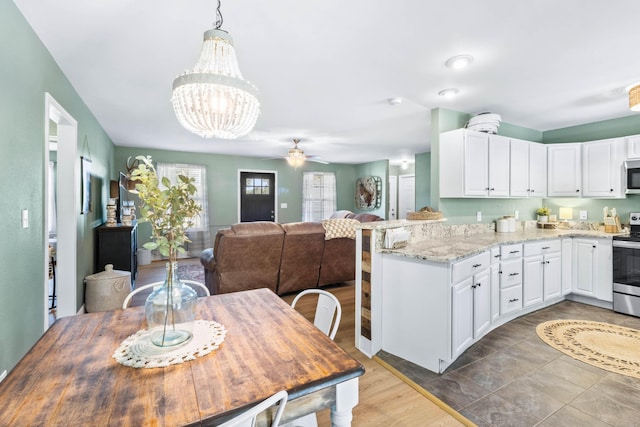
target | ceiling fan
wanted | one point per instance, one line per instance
(296, 157)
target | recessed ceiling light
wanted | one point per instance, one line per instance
(394, 101)
(459, 61)
(449, 93)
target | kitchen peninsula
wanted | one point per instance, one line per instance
(428, 298)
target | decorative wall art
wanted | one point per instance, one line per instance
(86, 184)
(368, 193)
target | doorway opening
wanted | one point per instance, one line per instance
(66, 188)
(257, 196)
(406, 195)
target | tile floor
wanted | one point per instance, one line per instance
(511, 378)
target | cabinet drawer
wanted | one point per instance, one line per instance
(542, 247)
(510, 273)
(510, 251)
(470, 266)
(510, 299)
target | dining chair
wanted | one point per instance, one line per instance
(328, 311)
(191, 283)
(327, 319)
(248, 418)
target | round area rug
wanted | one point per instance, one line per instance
(606, 346)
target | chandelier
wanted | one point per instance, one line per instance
(296, 157)
(213, 100)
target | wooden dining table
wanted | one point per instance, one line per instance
(69, 377)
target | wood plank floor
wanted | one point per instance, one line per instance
(385, 400)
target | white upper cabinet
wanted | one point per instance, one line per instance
(528, 170)
(633, 147)
(603, 169)
(473, 164)
(565, 170)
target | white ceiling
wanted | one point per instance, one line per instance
(325, 69)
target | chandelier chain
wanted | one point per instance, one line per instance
(219, 19)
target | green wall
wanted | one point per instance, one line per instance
(27, 72)
(623, 126)
(222, 183)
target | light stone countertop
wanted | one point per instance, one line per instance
(454, 248)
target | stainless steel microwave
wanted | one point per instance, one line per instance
(632, 167)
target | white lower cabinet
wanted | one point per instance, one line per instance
(471, 303)
(567, 265)
(510, 278)
(592, 268)
(542, 271)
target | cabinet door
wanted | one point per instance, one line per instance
(633, 147)
(585, 265)
(533, 279)
(604, 285)
(537, 170)
(602, 168)
(565, 172)
(498, 166)
(481, 303)
(462, 316)
(519, 168)
(567, 265)
(552, 276)
(495, 292)
(476, 164)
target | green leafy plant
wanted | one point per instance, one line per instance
(170, 210)
(544, 211)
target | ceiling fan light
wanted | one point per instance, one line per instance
(634, 97)
(213, 100)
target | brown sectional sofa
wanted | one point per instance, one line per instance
(282, 257)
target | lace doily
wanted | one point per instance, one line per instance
(137, 351)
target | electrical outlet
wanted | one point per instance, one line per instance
(3, 374)
(25, 218)
(515, 214)
(478, 216)
(583, 214)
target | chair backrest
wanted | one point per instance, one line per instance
(248, 418)
(191, 283)
(328, 311)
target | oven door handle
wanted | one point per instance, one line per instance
(625, 244)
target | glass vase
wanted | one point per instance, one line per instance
(171, 310)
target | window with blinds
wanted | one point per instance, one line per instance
(199, 233)
(318, 196)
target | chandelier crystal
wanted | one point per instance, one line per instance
(214, 100)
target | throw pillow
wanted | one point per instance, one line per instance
(339, 227)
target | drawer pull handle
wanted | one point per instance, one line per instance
(513, 300)
(514, 274)
(497, 256)
(476, 265)
(546, 247)
(514, 252)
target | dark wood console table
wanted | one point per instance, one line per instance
(118, 246)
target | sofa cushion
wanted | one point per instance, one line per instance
(340, 227)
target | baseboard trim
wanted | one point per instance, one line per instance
(448, 409)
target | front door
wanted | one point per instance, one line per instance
(257, 196)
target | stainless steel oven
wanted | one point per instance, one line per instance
(626, 269)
